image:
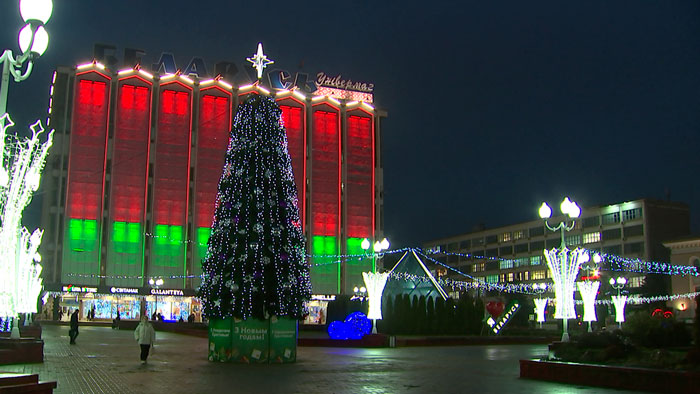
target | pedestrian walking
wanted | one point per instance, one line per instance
(73, 332)
(145, 335)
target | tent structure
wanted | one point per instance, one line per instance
(411, 276)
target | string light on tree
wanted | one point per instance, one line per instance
(255, 264)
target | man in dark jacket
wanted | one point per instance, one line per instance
(73, 333)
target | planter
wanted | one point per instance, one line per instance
(21, 351)
(626, 378)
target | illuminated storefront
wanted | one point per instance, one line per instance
(133, 189)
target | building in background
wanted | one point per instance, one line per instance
(514, 253)
(684, 251)
(133, 175)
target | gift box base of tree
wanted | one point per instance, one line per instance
(253, 341)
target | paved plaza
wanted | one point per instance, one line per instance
(107, 361)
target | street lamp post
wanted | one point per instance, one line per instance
(540, 303)
(33, 41)
(564, 264)
(619, 300)
(156, 283)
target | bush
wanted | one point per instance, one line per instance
(650, 331)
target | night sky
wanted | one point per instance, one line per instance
(492, 107)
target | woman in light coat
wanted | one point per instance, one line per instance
(145, 335)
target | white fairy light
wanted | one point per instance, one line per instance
(375, 282)
(23, 162)
(540, 307)
(619, 302)
(589, 291)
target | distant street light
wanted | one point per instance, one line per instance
(619, 300)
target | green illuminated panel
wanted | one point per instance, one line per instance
(355, 267)
(82, 235)
(81, 257)
(200, 251)
(168, 245)
(125, 254)
(325, 277)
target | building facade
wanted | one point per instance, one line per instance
(514, 253)
(133, 175)
(685, 251)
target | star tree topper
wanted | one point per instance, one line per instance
(259, 60)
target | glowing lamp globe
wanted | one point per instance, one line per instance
(612, 281)
(385, 244)
(597, 259)
(377, 246)
(622, 281)
(41, 39)
(545, 211)
(36, 10)
(365, 244)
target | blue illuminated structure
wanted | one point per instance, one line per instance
(355, 326)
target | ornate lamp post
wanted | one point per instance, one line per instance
(540, 303)
(564, 264)
(619, 300)
(33, 41)
(156, 283)
(589, 290)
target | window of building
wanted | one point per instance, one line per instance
(614, 233)
(526, 275)
(505, 250)
(520, 234)
(593, 221)
(478, 241)
(553, 243)
(589, 238)
(478, 267)
(535, 260)
(511, 277)
(615, 249)
(492, 252)
(633, 231)
(491, 239)
(491, 265)
(491, 278)
(520, 248)
(536, 231)
(538, 275)
(466, 244)
(505, 237)
(610, 218)
(506, 264)
(453, 247)
(573, 240)
(636, 281)
(634, 248)
(522, 261)
(536, 246)
(452, 260)
(631, 214)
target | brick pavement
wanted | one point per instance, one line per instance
(107, 361)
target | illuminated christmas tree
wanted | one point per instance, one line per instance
(256, 261)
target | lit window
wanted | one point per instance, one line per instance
(537, 275)
(611, 218)
(573, 240)
(520, 234)
(526, 275)
(631, 214)
(505, 264)
(510, 277)
(535, 260)
(589, 238)
(636, 281)
(505, 237)
(479, 267)
(491, 278)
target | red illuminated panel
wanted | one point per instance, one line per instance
(171, 174)
(212, 141)
(325, 198)
(359, 186)
(130, 160)
(87, 150)
(293, 118)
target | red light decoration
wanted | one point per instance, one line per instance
(325, 191)
(294, 121)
